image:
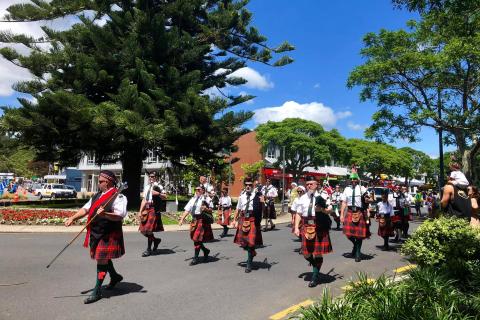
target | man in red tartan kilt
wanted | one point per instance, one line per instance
(150, 214)
(200, 207)
(224, 211)
(313, 211)
(384, 214)
(247, 220)
(355, 220)
(104, 233)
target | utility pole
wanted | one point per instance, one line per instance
(283, 180)
(229, 168)
(440, 144)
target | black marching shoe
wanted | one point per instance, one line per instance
(248, 268)
(94, 297)
(205, 255)
(358, 258)
(156, 242)
(314, 282)
(114, 281)
(146, 253)
(194, 261)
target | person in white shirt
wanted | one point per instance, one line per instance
(336, 199)
(456, 177)
(249, 215)
(300, 190)
(270, 193)
(224, 211)
(313, 212)
(355, 219)
(104, 232)
(150, 213)
(200, 207)
(207, 186)
(384, 218)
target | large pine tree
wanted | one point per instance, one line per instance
(136, 81)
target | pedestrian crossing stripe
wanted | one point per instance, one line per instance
(405, 268)
(282, 314)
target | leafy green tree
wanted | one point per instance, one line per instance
(422, 164)
(252, 169)
(428, 76)
(137, 81)
(378, 158)
(306, 143)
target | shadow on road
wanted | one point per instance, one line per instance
(324, 277)
(256, 265)
(159, 252)
(124, 288)
(363, 256)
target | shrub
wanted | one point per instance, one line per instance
(445, 240)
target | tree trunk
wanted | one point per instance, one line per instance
(132, 162)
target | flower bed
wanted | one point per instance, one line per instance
(31, 216)
(55, 217)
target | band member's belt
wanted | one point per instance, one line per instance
(354, 208)
(248, 213)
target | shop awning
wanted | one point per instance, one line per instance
(275, 173)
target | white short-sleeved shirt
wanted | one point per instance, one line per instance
(225, 201)
(348, 194)
(336, 197)
(208, 187)
(458, 178)
(149, 195)
(270, 191)
(304, 202)
(294, 205)
(119, 205)
(385, 208)
(243, 200)
(198, 201)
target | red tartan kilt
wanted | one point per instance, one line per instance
(251, 239)
(153, 223)
(396, 219)
(269, 211)
(317, 247)
(109, 247)
(386, 231)
(202, 232)
(357, 230)
(226, 217)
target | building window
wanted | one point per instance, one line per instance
(151, 157)
(90, 159)
(271, 152)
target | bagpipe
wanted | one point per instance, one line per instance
(322, 219)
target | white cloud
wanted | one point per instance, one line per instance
(10, 74)
(355, 126)
(314, 111)
(254, 79)
(316, 85)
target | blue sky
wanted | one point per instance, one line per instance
(328, 38)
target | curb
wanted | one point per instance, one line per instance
(294, 308)
(284, 218)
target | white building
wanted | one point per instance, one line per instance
(90, 170)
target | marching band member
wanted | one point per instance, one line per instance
(104, 234)
(270, 193)
(200, 207)
(384, 214)
(249, 215)
(336, 205)
(224, 211)
(150, 214)
(313, 212)
(355, 220)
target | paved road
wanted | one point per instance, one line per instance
(164, 286)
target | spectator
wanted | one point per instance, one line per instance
(418, 202)
(474, 197)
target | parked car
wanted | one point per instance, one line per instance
(34, 187)
(71, 188)
(55, 190)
